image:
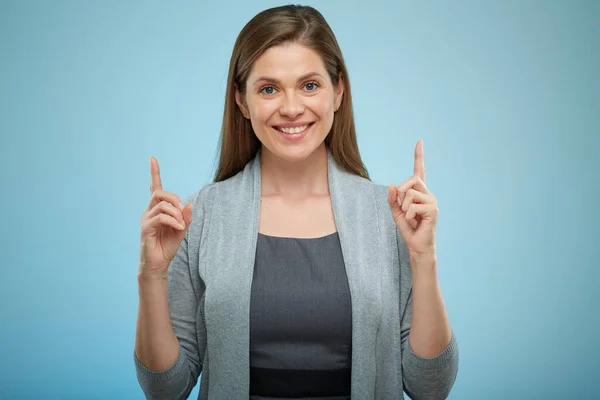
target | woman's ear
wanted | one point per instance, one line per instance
(239, 99)
(339, 92)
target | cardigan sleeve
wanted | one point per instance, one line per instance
(423, 378)
(185, 289)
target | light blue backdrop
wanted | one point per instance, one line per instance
(505, 95)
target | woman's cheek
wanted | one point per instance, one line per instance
(321, 104)
(265, 110)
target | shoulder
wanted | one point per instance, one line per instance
(202, 198)
(365, 189)
(367, 204)
(205, 197)
(363, 202)
(390, 236)
(350, 180)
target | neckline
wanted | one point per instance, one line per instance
(297, 238)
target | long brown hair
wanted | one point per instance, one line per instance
(272, 27)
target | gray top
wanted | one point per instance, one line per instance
(210, 281)
(300, 320)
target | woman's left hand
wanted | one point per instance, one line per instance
(415, 210)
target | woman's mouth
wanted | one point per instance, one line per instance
(296, 133)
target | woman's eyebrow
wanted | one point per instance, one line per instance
(275, 81)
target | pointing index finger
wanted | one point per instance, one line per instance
(419, 160)
(155, 174)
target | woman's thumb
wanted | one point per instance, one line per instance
(187, 215)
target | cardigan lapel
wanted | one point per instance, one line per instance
(231, 251)
(354, 211)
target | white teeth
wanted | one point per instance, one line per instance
(293, 131)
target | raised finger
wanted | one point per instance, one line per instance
(156, 183)
(419, 168)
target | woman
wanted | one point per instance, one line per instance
(292, 275)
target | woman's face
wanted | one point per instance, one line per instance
(290, 101)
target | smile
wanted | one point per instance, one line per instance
(294, 131)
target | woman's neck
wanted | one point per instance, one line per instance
(294, 180)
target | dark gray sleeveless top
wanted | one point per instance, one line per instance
(300, 320)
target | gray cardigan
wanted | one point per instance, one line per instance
(209, 295)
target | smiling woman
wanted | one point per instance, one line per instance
(290, 98)
(292, 275)
(287, 71)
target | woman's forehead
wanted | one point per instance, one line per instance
(289, 62)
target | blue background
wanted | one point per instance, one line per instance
(505, 95)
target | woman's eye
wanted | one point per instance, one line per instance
(268, 90)
(310, 86)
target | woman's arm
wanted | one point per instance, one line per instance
(156, 345)
(167, 356)
(430, 367)
(430, 331)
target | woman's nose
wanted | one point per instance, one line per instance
(292, 105)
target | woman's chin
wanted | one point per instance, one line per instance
(296, 153)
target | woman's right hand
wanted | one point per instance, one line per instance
(164, 224)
